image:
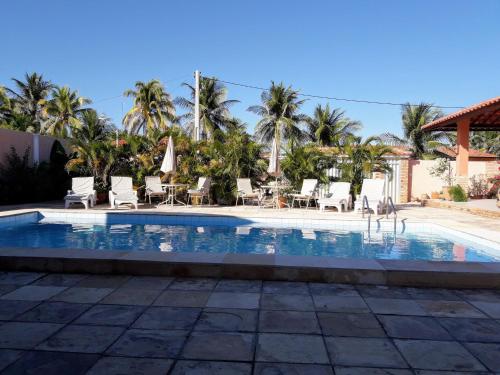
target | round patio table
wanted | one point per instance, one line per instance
(276, 189)
(171, 190)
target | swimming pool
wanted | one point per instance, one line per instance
(215, 234)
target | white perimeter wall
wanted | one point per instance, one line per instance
(423, 183)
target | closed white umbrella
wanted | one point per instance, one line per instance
(274, 161)
(168, 166)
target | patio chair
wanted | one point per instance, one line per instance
(202, 190)
(245, 191)
(373, 190)
(122, 192)
(82, 191)
(307, 193)
(339, 197)
(154, 188)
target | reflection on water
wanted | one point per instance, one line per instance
(242, 239)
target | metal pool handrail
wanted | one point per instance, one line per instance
(391, 203)
(365, 201)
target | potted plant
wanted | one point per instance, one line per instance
(478, 187)
(444, 171)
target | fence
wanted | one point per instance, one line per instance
(39, 145)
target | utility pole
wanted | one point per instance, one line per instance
(197, 132)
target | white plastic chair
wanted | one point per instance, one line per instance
(122, 192)
(202, 190)
(82, 191)
(307, 193)
(339, 198)
(154, 187)
(245, 191)
(373, 190)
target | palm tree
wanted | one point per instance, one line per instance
(31, 96)
(153, 108)
(330, 127)
(64, 110)
(361, 158)
(488, 141)
(5, 106)
(279, 115)
(93, 127)
(421, 143)
(214, 107)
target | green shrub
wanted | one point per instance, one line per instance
(458, 194)
(22, 183)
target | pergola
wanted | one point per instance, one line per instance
(481, 116)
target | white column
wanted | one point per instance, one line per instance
(197, 132)
(36, 149)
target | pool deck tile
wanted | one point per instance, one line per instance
(369, 352)
(82, 295)
(54, 312)
(39, 362)
(131, 296)
(33, 293)
(227, 320)
(182, 298)
(234, 300)
(147, 343)
(110, 315)
(225, 346)
(413, 327)
(294, 369)
(126, 365)
(348, 324)
(211, 367)
(82, 339)
(438, 355)
(280, 326)
(277, 347)
(295, 302)
(288, 322)
(167, 318)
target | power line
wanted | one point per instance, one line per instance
(328, 97)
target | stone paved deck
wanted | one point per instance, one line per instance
(97, 324)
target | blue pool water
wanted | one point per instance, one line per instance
(241, 239)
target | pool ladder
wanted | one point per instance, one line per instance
(389, 207)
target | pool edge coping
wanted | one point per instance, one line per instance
(442, 274)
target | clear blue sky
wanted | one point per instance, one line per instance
(446, 52)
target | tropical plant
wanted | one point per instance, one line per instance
(330, 127)
(214, 107)
(280, 117)
(443, 170)
(458, 194)
(153, 108)
(488, 141)
(22, 182)
(360, 158)
(29, 98)
(93, 127)
(5, 106)
(94, 151)
(306, 162)
(421, 143)
(64, 110)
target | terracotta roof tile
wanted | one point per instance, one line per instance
(469, 111)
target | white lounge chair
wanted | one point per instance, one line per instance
(307, 193)
(339, 198)
(122, 192)
(202, 190)
(154, 188)
(245, 191)
(82, 191)
(373, 190)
